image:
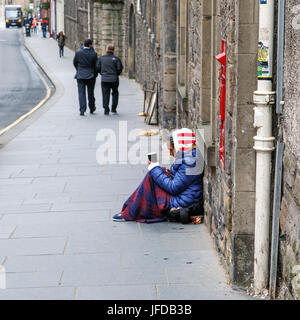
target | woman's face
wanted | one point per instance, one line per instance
(171, 148)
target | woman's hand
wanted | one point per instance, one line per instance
(168, 173)
(149, 162)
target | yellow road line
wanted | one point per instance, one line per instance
(32, 110)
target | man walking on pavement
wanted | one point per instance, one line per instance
(85, 62)
(44, 24)
(110, 67)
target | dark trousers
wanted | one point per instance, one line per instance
(90, 85)
(44, 32)
(107, 87)
(61, 51)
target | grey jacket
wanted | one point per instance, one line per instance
(110, 67)
(85, 62)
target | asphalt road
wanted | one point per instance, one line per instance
(21, 88)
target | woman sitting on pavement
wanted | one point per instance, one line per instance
(164, 190)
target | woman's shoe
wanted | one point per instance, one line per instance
(118, 217)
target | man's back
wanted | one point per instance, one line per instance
(110, 67)
(85, 61)
(44, 24)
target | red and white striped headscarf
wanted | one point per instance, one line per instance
(183, 139)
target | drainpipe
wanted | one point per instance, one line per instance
(279, 151)
(264, 99)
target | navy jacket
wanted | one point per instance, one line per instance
(186, 184)
(85, 62)
(110, 67)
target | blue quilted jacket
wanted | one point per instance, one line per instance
(186, 183)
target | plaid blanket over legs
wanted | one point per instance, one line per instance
(147, 204)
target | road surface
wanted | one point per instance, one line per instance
(21, 88)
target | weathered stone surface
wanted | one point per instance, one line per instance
(290, 214)
(296, 191)
(244, 213)
(242, 264)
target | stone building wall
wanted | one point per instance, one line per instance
(290, 207)
(154, 53)
(108, 25)
(100, 20)
(76, 15)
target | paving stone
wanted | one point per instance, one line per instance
(43, 263)
(15, 181)
(84, 206)
(31, 189)
(32, 279)
(158, 258)
(23, 209)
(104, 189)
(6, 231)
(86, 276)
(94, 198)
(38, 294)
(115, 242)
(197, 292)
(88, 230)
(171, 227)
(49, 201)
(51, 196)
(198, 274)
(26, 159)
(124, 292)
(55, 218)
(7, 171)
(33, 246)
(36, 173)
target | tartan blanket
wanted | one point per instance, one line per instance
(147, 204)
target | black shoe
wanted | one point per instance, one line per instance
(82, 113)
(92, 111)
(106, 112)
(114, 111)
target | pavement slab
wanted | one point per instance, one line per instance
(32, 279)
(57, 239)
(135, 292)
(32, 246)
(6, 231)
(62, 218)
(197, 292)
(48, 293)
(61, 262)
(86, 276)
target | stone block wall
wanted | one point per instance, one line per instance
(76, 15)
(108, 26)
(154, 57)
(289, 249)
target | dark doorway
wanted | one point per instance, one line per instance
(132, 42)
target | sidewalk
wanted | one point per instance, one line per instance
(57, 240)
